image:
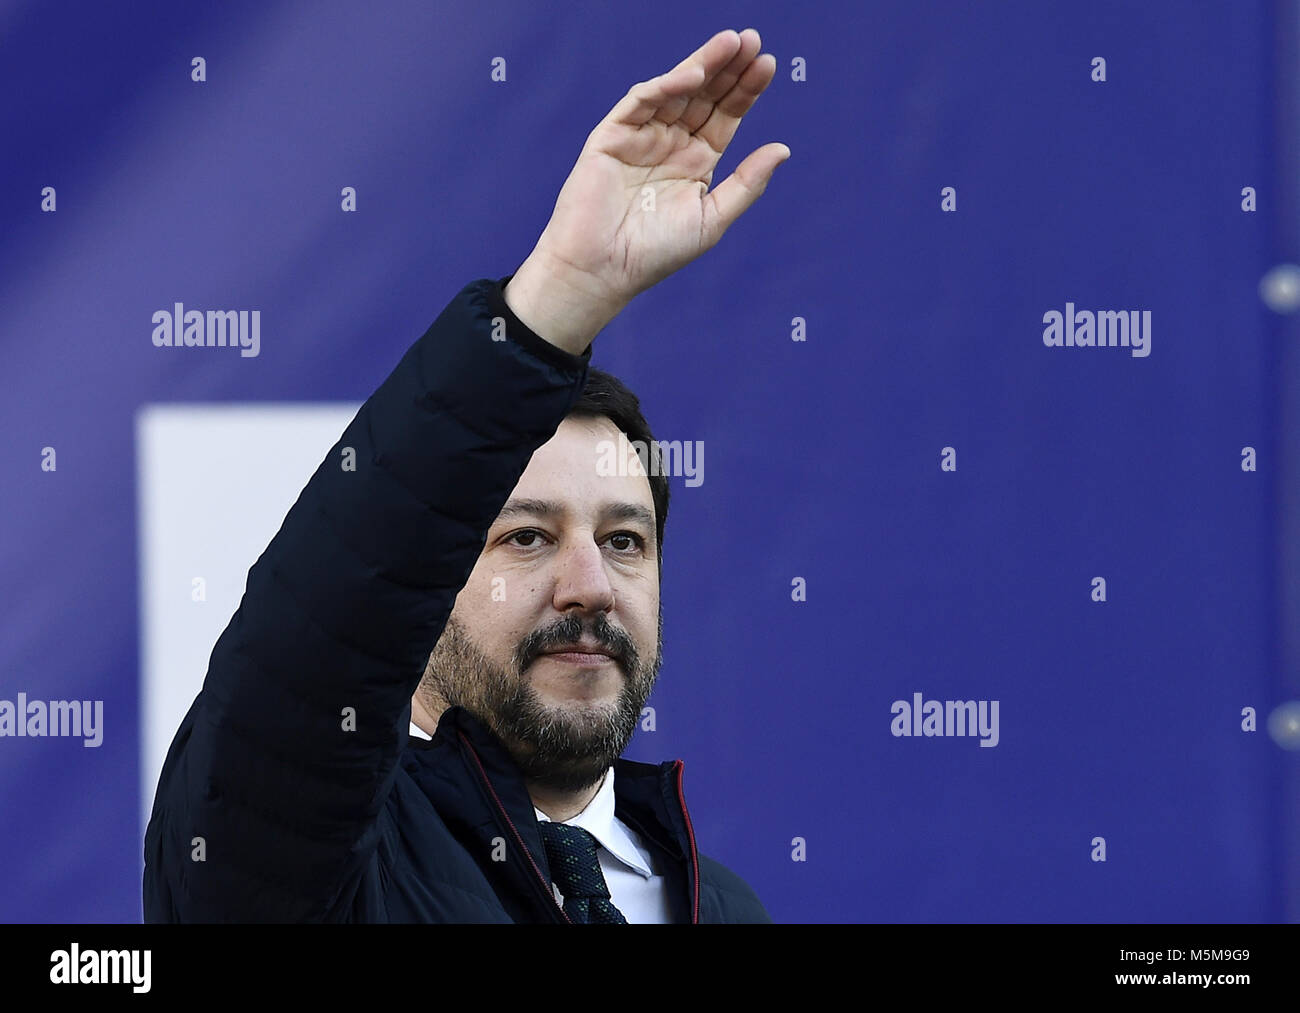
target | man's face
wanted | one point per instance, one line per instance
(570, 562)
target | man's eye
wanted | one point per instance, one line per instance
(529, 533)
(627, 536)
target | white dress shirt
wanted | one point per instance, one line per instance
(636, 886)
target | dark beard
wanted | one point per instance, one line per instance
(558, 750)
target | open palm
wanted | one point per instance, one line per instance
(637, 205)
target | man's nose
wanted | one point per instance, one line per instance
(581, 579)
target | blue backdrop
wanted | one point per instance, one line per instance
(948, 487)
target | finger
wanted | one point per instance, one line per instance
(701, 105)
(643, 100)
(733, 196)
(697, 108)
(721, 126)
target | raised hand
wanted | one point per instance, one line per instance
(637, 204)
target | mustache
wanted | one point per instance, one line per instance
(570, 630)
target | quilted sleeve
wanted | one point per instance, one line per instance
(267, 806)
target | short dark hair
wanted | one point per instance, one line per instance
(606, 396)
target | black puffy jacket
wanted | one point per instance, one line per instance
(267, 809)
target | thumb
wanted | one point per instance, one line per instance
(732, 197)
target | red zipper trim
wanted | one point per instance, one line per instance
(510, 823)
(690, 833)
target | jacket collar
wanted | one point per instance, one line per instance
(648, 798)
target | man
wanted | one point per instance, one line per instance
(417, 712)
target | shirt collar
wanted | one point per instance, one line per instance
(598, 820)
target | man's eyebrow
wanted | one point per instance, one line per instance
(630, 512)
(549, 508)
(531, 507)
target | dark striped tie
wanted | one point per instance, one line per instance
(575, 868)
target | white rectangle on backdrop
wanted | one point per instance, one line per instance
(214, 482)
